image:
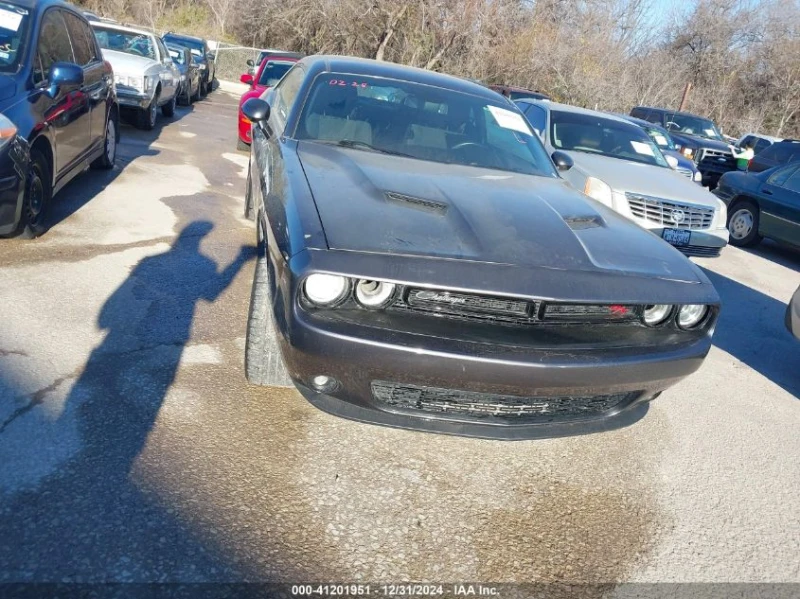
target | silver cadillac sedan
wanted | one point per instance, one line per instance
(617, 164)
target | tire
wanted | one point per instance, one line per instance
(168, 109)
(202, 91)
(240, 145)
(263, 363)
(37, 199)
(743, 221)
(188, 98)
(109, 157)
(146, 117)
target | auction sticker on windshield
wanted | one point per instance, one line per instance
(509, 120)
(642, 148)
(9, 19)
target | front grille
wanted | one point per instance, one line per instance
(668, 213)
(475, 405)
(718, 158)
(700, 251)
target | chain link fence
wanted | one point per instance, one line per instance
(231, 61)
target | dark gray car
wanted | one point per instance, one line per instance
(422, 264)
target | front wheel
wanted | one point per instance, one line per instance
(743, 224)
(109, 157)
(146, 117)
(168, 109)
(38, 194)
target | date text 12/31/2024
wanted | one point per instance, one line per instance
(393, 590)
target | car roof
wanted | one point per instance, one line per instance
(551, 106)
(368, 67)
(670, 111)
(182, 36)
(120, 27)
(771, 138)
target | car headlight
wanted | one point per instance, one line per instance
(656, 314)
(136, 83)
(8, 130)
(374, 294)
(690, 315)
(202, 66)
(326, 290)
(688, 152)
(697, 177)
(599, 190)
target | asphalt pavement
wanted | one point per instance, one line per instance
(133, 449)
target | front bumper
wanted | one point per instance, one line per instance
(133, 99)
(432, 360)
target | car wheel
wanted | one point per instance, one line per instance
(203, 91)
(38, 194)
(263, 363)
(168, 109)
(188, 98)
(241, 145)
(743, 224)
(146, 117)
(109, 157)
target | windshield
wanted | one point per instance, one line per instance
(272, 73)
(693, 125)
(138, 44)
(197, 48)
(177, 55)
(13, 33)
(660, 136)
(598, 135)
(422, 122)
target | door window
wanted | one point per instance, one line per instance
(639, 113)
(761, 145)
(54, 45)
(286, 93)
(780, 176)
(793, 182)
(536, 117)
(82, 37)
(162, 50)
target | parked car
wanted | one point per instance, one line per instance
(757, 141)
(779, 153)
(189, 87)
(203, 56)
(274, 54)
(764, 204)
(269, 73)
(695, 137)
(663, 140)
(518, 93)
(144, 74)
(426, 267)
(793, 315)
(58, 110)
(619, 165)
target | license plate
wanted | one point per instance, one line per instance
(676, 237)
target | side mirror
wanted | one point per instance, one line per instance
(250, 62)
(256, 110)
(672, 162)
(64, 76)
(562, 160)
(246, 78)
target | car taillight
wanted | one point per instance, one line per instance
(749, 162)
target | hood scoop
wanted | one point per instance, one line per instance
(589, 221)
(417, 203)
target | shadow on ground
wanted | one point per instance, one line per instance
(752, 329)
(91, 521)
(786, 256)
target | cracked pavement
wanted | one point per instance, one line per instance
(132, 448)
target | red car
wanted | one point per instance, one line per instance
(270, 71)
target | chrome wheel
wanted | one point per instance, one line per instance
(741, 223)
(111, 141)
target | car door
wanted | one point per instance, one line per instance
(97, 83)
(68, 113)
(780, 205)
(170, 75)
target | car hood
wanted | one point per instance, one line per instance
(656, 181)
(700, 142)
(378, 203)
(8, 87)
(128, 63)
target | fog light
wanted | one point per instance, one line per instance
(324, 384)
(656, 314)
(325, 290)
(691, 315)
(374, 294)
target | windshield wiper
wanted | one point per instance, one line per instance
(357, 144)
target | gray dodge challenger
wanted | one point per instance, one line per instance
(422, 264)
